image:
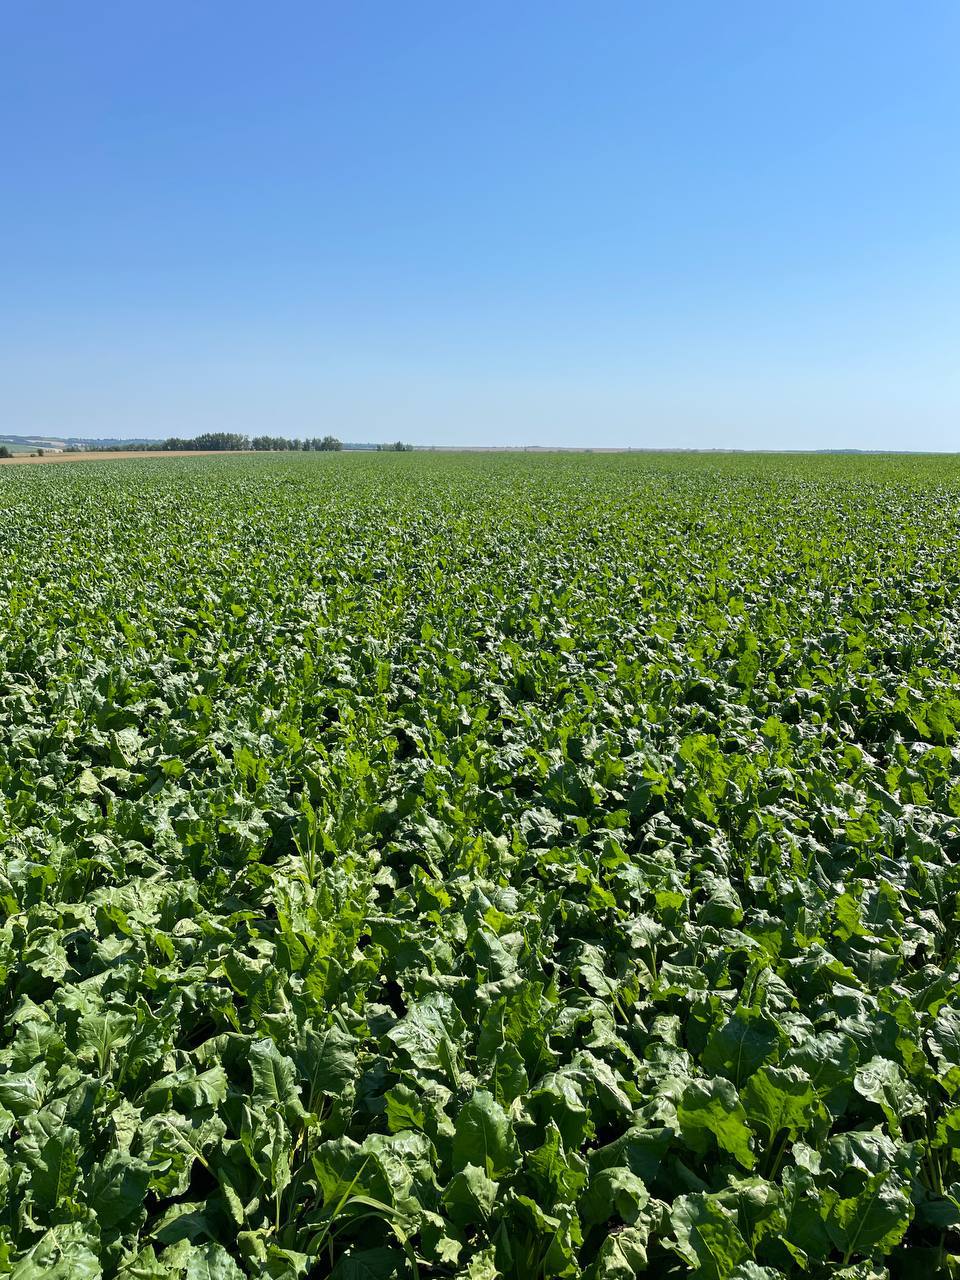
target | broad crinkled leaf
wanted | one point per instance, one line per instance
(274, 1078)
(484, 1136)
(54, 1178)
(780, 1100)
(469, 1196)
(710, 1112)
(741, 1045)
(707, 1237)
(872, 1221)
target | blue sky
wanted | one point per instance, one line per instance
(632, 223)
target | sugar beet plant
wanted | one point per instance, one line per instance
(516, 867)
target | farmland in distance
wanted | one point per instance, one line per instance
(480, 866)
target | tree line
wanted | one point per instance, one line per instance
(222, 442)
(230, 440)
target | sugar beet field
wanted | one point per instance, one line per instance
(480, 866)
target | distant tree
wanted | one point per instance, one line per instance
(329, 444)
(39, 453)
(397, 447)
(269, 444)
(219, 440)
(5, 452)
(214, 441)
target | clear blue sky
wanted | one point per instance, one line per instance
(628, 223)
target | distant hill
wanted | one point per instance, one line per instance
(63, 442)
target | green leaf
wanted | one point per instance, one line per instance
(613, 1193)
(707, 1237)
(829, 1059)
(53, 1180)
(484, 1136)
(404, 1109)
(556, 1177)
(751, 1271)
(944, 1040)
(274, 1079)
(118, 1188)
(711, 1109)
(328, 1062)
(211, 1261)
(623, 1255)
(880, 1081)
(65, 1252)
(872, 1221)
(21, 1091)
(427, 1033)
(640, 1150)
(741, 1045)
(469, 1196)
(371, 1264)
(780, 1100)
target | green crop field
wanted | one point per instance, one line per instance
(516, 866)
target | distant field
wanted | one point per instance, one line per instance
(18, 449)
(24, 454)
(480, 866)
